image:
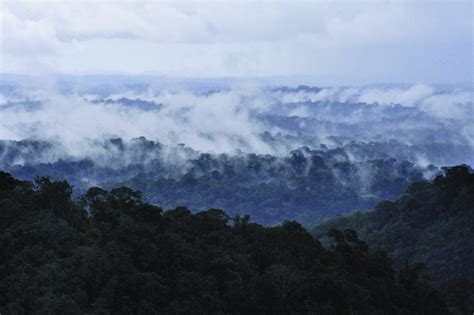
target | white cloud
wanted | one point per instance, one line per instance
(226, 121)
(216, 123)
(25, 36)
(406, 97)
(363, 41)
(458, 104)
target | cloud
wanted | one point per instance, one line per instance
(246, 118)
(22, 37)
(218, 122)
(406, 97)
(458, 104)
(300, 111)
(441, 104)
(331, 40)
(224, 121)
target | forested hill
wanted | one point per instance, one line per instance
(305, 185)
(433, 223)
(110, 253)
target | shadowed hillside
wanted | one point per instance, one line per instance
(431, 224)
(112, 253)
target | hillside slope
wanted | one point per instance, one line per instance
(113, 254)
(433, 223)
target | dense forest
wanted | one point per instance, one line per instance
(431, 224)
(236, 157)
(276, 153)
(111, 253)
(277, 159)
(304, 185)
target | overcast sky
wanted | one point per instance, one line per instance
(347, 42)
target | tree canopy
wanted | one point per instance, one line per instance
(432, 223)
(110, 252)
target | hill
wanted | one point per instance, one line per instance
(432, 223)
(112, 253)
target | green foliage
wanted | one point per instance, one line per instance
(110, 253)
(305, 186)
(432, 224)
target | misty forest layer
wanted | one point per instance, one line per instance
(110, 253)
(74, 240)
(305, 186)
(236, 157)
(275, 153)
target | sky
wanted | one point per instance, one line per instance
(337, 42)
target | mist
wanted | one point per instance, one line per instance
(234, 119)
(246, 146)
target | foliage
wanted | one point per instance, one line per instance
(305, 185)
(432, 224)
(112, 253)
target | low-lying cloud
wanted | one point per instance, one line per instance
(234, 120)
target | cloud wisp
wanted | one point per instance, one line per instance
(234, 120)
